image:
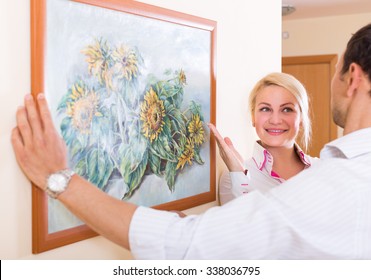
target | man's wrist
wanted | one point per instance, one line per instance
(58, 182)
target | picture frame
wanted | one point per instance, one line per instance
(158, 138)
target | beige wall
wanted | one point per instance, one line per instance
(324, 35)
(249, 46)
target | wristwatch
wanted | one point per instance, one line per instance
(58, 182)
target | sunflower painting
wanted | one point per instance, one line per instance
(131, 96)
(113, 133)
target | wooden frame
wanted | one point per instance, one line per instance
(43, 239)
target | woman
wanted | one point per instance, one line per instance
(279, 109)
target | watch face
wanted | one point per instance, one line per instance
(57, 182)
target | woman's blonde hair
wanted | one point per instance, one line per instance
(296, 88)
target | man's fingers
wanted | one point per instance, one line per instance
(16, 138)
(17, 143)
(33, 115)
(24, 128)
(45, 115)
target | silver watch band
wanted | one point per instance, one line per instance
(66, 175)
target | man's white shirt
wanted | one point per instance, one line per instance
(322, 213)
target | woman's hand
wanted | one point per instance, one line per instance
(229, 154)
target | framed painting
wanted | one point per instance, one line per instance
(131, 88)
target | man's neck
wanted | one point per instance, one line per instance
(359, 113)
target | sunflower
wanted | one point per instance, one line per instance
(126, 62)
(83, 107)
(187, 155)
(196, 130)
(98, 56)
(182, 78)
(152, 113)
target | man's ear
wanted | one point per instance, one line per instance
(355, 76)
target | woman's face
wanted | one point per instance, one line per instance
(277, 117)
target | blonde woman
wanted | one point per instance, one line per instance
(279, 110)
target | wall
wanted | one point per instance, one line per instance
(249, 46)
(323, 35)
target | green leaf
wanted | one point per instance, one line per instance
(99, 167)
(67, 130)
(133, 178)
(75, 147)
(154, 163)
(158, 149)
(80, 167)
(134, 159)
(170, 174)
(163, 144)
(197, 156)
(196, 109)
(178, 96)
(179, 144)
(63, 102)
(176, 117)
(168, 71)
(107, 174)
(170, 90)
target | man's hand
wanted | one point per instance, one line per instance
(229, 154)
(38, 147)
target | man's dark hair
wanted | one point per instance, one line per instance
(359, 51)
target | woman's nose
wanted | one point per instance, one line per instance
(275, 118)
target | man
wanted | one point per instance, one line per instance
(323, 213)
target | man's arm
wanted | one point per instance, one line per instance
(40, 151)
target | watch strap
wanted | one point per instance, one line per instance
(67, 173)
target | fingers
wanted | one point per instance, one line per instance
(228, 141)
(24, 129)
(227, 151)
(45, 115)
(30, 121)
(33, 116)
(218, 137)
(17, 142)
(212, 128)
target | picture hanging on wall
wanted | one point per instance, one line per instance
(131, 88)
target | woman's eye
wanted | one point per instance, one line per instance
(264, 109)
(287, 110)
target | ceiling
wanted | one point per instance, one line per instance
(324, 8)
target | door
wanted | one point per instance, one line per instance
(315, 72)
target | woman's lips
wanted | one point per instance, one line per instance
(275, 131)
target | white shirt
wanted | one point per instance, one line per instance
(259, 174)
(322, 213)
